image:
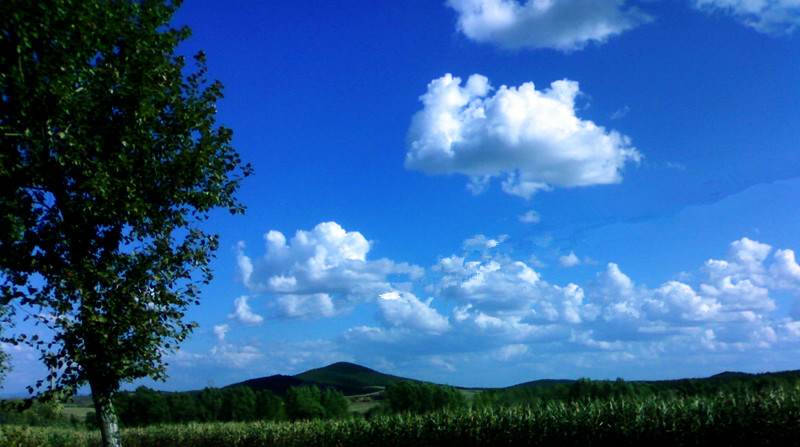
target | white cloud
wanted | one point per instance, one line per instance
(503, 309)
(498, 283)
(400, 309)
(611, 286)
(484, 243)
(501, 293)
(559, 24)
(231, 355)
(785, 271)
(501, 301)
(620, 113)
(530, 216)
(748, 254)
(315, 305)
(471, 322)
(531, 138)
(766, 16)
(244, 314)
(569, 260)
(442, 364)
(679, 302)
(220, 331)
(510, 352)
(740, 281)
(319, 273)
(739, 294)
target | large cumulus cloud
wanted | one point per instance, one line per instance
(318, 273)
(560, 24)
(531, 138)
(503, 308)
(492, 305)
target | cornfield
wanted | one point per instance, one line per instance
(769, 417)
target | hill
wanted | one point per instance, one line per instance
(544, 383)
(348, 378)
(278, 384)
(354, 380)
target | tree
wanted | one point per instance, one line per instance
(5, 365)
(182, 407)
(421, 397)
(269, 407)
(110, 159)
(210, 404)
(335, 404)
(304, 403)
(239, 404)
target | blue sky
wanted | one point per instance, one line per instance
(486, 192)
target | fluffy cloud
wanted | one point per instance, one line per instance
(316, 305)
(510, 352)
(220, 331)
(785, 272)
(531, 138)
(570, 260)
(766, 16)
(318, 273)
(560, 24)
(740, 281)
(506, 310)
(236, 355)
(406, 310)
(612, 286)
(501, 293)
(677, 301)
(484, 243)
(491, 304)
(499, 284)
(530, 216)
(244, 314)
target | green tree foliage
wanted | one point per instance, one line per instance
(269, 406)
(110, 158)
(311, 403)
(239, 404)
(209, 405)
(142, 407)
(5, 317)
(90, 421)
(182, 408)
(304, 403)
(39, 414)
(418, 397)
(334, 403)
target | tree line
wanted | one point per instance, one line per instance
(584, 390)
(144, 406)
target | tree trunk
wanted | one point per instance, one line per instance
(106, 417)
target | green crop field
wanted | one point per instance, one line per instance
(766, 417)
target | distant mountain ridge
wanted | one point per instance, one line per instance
(352, 379)
(349, 378)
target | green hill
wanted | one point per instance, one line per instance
(348, 378)
(348, 375)
(353, 380)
